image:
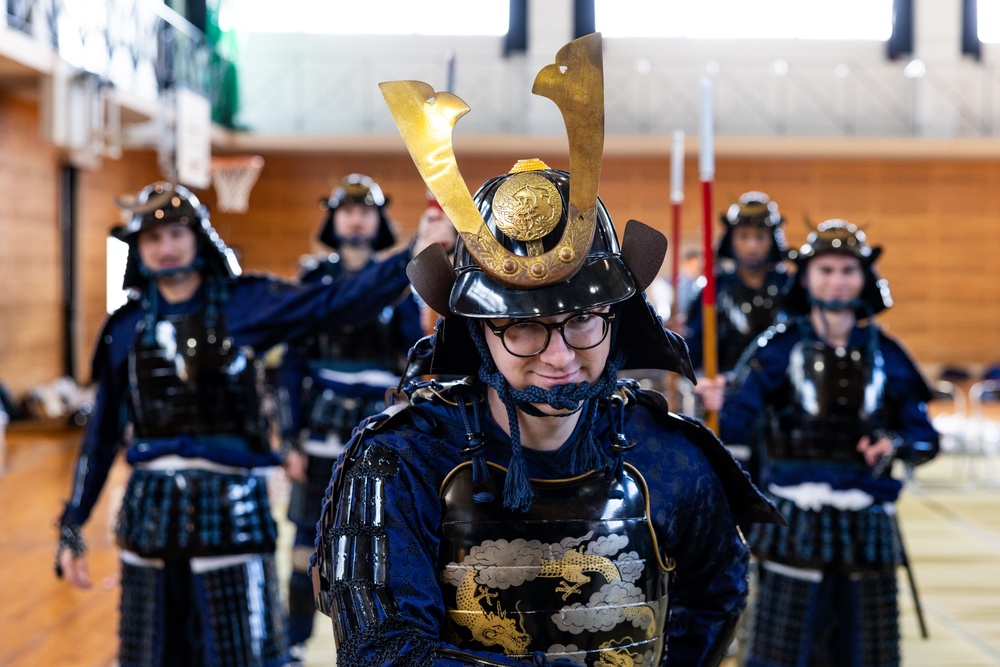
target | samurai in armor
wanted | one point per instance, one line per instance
(751, 280)
(339, 376)
(178, 365)
(542, 510)
(841, 401)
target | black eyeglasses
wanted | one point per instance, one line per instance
(526, 338)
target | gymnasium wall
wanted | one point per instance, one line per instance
(32, 312)
(937, 218)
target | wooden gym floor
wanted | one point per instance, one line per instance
(950, 516)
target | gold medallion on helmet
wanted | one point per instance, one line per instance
(527, 206)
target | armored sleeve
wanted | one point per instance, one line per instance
(760, 372)
(375, 573)
(710, 581)
(263, 312)
(103, 434)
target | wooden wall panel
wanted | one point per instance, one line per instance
(938, 220)
(97, 213)
(30, 317)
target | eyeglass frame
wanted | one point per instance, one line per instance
(500, 331)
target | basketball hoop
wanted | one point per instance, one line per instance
(233, 177)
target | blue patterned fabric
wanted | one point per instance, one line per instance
(689, 508)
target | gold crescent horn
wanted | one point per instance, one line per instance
(426, 120)
(576, 84)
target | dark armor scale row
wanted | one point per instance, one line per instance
(189, 379)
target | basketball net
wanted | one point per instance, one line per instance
(233, 177)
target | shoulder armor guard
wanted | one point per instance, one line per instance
(746, 502)
(350, 571)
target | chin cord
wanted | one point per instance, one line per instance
(839, 304)
(587, 455)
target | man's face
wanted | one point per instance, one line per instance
(354, 220)
(751, 244)
(168, 246)
(558, 364)
(834, 277)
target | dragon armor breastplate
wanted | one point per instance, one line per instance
(192, 380)
(830, 398)
(743, 314)
(577, 576)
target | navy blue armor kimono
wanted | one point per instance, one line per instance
(335, 378)
(742, 314)
(418, 562)
(198, 579)
(828, 579)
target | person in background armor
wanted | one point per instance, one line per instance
(338, 377)
(841, 400)
(749, 295)
(177, 363)
(539, 511)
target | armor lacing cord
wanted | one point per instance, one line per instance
(476, 449)
(587, 455)
(621, 444)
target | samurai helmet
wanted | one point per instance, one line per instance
(840, 237)
(754, 209)
(162, 203)
(356, 189)
(534, 241)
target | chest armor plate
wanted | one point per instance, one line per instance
(191, 379)
(830, 398)
(577, 576)
(371, 340)
(744, 313)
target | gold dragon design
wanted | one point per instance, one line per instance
(495, 627)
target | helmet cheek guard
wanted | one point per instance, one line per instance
(164, 203)
(840, 237)
(356, 189)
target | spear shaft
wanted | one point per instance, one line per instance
(706, 168)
